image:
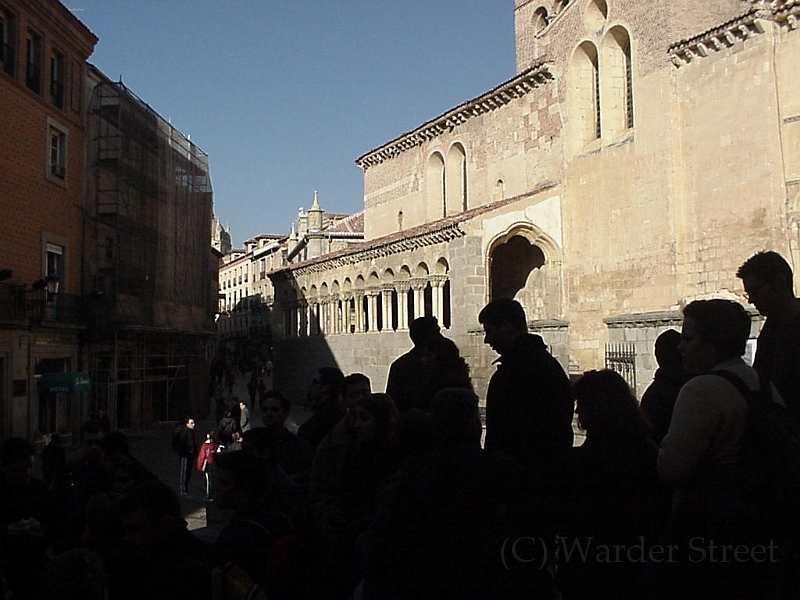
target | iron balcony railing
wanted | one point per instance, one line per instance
(17, 302)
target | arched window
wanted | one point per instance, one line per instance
(499, 189)
(540, 19)
(584, 96)
(434, 187)
(617, 80)
(456, 182)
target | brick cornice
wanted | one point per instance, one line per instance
(522, 84)
(734, 32)
(441, 235)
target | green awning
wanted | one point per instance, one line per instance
(64, 382)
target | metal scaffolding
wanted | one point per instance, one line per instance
(147, 261)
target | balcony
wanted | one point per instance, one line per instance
(41, 305)
(16, 302)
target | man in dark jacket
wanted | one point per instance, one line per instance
(768, 285)
(404, 383)
(324, 397)
(185, 444)
(528, 405)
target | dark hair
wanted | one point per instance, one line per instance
(724, 324)
(282, 398)
(154, 497)
(187, 418)
(15, 449)
(504, 310)
(331, 376)
(606, 406)
(247, 469)
(455, 416)
(450, 370)
(382, 407)
(354, 379)
(666, 348)
(115, 442)
(422, 328)
(768, 266)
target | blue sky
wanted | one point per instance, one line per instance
(285, 95)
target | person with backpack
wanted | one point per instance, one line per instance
(704, 456)
(185, 445)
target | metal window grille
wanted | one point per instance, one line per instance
(622, 359)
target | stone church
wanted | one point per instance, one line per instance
(641, 153)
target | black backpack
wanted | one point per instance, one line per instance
(771, 452)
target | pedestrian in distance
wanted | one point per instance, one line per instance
(244, 417)
(205, 459)
(185, 445)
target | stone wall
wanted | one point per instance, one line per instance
(636, 221)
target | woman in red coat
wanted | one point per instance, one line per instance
(205, 458)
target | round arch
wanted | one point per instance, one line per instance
(525, 263)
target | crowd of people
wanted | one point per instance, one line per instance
(395, 495)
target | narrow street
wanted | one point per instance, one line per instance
(153, 447)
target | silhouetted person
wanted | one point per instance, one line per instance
(612, 495)
(440, 522)
(54, 464)
(243, 486)
(332, 452)
(244, 417)
(252, 387)
(403, 383)
(28, 519)
(442, 367)
(292, 453)
(528, 405)
(185, 444)
(365, 469)
(658, 399)
(701, 457)
(768, 285)
(162, 558)
(325, 400)
(227, 425)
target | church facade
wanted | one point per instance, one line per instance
(641, 153)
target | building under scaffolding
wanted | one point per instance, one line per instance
(148, 263)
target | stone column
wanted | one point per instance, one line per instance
(386, 302)
(358, 297)
(302, 309)
(324, 315)
(334, 312)
(346, 312)
(402, 288)
(437, 284)
(372, 313)
(418, 284)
